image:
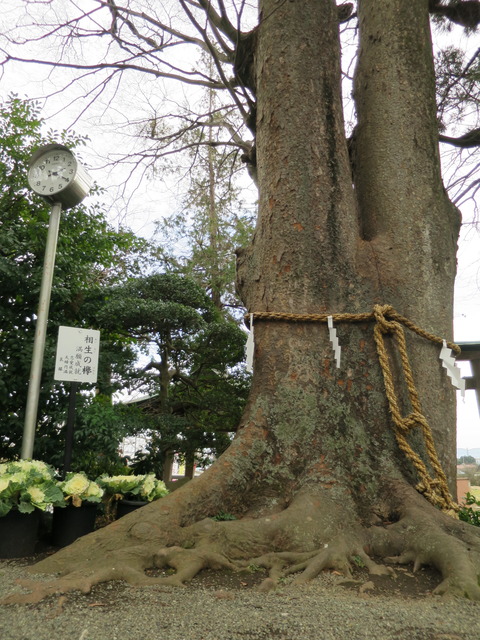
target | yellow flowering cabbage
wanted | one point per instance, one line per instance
(26, 485)
(37, 495)
(41, 467)
(18, 478)
(94, 490)
(148, 485)
(77, 487)
(140, 487)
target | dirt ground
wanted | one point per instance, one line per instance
(220, 605)
(406, 584)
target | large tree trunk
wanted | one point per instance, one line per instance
(315, 474)
(409, 228)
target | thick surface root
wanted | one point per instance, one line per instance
(423, 536)
(311, 535)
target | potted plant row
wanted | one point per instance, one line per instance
(129, 492)
(30, 487)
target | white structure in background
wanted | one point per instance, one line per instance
(133, 444)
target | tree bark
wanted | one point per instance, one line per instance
(409, 228)
(190, 465)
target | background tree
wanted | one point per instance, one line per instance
(212, 221)
(304, 475)
(211, 225)
(192, 391)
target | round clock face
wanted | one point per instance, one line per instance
(52, 172)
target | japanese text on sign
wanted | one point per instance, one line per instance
(77, 355)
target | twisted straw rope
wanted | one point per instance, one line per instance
(388, 321)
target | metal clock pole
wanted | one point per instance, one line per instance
(56, 176)
(40, 332)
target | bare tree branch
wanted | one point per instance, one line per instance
(221, 21)
(215, 58)
(121, 66)
(467, 141)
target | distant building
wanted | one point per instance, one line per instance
(463, 487)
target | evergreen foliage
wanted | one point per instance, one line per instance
(191, 390)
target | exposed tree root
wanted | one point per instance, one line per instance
(311, 535)
(425, 537)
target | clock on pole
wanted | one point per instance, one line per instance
(56, 175)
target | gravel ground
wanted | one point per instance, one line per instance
(217, 606)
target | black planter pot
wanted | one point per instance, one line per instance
(18, 534)
(127, 506)
(69, 523)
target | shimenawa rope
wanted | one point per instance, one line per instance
(388, 321)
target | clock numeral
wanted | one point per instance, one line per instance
(37, 184)
(70, 171)
(51, 189)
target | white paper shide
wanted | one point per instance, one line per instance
(337, 349)
(448, 361)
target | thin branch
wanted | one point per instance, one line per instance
(122, 66)
(458, 79)
(221, 22)
(159, 25)
(213, 53)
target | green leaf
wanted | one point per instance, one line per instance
(26, 507)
